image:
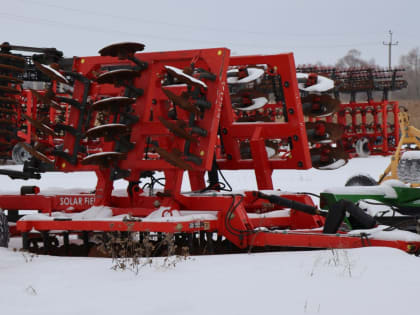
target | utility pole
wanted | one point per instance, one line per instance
(390, 44)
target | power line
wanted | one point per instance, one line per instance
(390, 44)
(186, 26)
(61, 24)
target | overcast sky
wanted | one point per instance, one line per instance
(314, 31)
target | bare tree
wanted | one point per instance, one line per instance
(411, 64)
(353, 59)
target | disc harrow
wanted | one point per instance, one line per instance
(11, 66)
(370, 127)
(132, 116)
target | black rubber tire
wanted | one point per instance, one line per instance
(19, 154)
(4, 230)
(361, 180)
(409, 170)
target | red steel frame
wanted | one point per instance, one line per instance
(354, 116)
(233, 220)
(293, 130)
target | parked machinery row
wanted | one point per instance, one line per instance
(146, 118)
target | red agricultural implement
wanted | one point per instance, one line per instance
(171, 112)
(369, 126)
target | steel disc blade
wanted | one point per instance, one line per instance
(108, 131)
(47, 98)
(113, 104)
(40, 126)
(327, 157)
(8, 111)
(9, 79)
(117, 77)
(52, 73)
(10, 68)
(121, 50)
(7, 122)
(319, 105)
(8, 89)
(323, 132)
(103, 158)
(185, 78)
(12, 57)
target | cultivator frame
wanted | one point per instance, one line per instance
(363, 136)
(370, 128)
(172, 112)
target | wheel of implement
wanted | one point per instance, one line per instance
(361, 180)
(409, 167)
(4, 230)
(362, 147)
(19, 154)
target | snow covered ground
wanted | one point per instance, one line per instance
(357, 281)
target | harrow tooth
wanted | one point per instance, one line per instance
(109, 131)
(47, 98)
(7, 111)
(121, 50)
(8, 89)
(113, 104)
(7, 100)
(10, 68)
(5, 143)
(177, 130)
(319, 105)
(103, 159)
(323, 132)
(52, 73)
(328, 158)
(9, 79)
(35, 153)
(7, 122)
(8, 134)
(118, 77)
(185, 78)
(173, 158)
(14, 58)
(182, 101)
(40, 126)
